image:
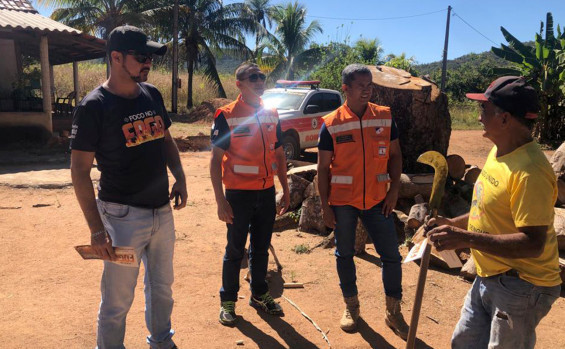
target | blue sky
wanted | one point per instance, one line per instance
(423, 36)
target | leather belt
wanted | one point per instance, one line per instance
(511, 272)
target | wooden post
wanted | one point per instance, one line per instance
(76, 82)
(444, 63)
(52, 82)
(46, 81)
(174, 92)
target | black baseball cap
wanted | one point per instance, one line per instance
(512, 94)
(127, 37)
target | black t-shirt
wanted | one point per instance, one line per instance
(127, 137)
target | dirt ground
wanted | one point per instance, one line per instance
(49, 296)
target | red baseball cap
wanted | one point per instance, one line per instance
(512, 94)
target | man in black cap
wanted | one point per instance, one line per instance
(124, 125)
(509, 227)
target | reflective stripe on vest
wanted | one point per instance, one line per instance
(342, 179)
(246, 169)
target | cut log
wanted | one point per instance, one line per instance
(420, 111)
(558, 162)
(469, 270)
(306, 172)
(414, 184)
(417, 215)
(559, 225)
(361, 236)
(311, 219)
(560, 192)
(296, 185)
(284, 222)
(455, 166)
(471, 175)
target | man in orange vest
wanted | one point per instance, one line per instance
(359, 155)
(246, 154)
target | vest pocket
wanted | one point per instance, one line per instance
(341, 188)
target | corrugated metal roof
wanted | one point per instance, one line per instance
(28, 20)
(17, 5)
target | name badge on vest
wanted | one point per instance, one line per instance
(344, 139)
(383, 177)
(241, 130)
(270, 128)
(380, 130)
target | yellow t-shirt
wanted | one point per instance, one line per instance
(516, 190)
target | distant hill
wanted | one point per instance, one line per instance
(469, 60)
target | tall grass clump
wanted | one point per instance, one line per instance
(464, 115)
(92, 74)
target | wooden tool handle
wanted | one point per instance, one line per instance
(411, 340)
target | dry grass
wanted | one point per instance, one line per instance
(93, 74)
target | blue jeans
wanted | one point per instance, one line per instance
(254, 212)
(383, 233)
(502, 311)
(152, 233)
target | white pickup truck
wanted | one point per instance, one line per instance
(301, 105)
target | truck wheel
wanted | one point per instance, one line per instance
(291, 147)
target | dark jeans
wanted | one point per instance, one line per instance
(254, 212)
(383, 233)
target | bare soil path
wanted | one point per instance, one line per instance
(49, 297)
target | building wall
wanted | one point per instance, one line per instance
(8, 66)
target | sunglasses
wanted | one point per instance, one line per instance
(140, 57)
(256, 76)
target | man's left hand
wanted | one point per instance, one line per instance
(389, 202)
(179, 188)
(447, 237)
(285, 201)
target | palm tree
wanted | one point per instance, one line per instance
(294, 36)
(261, 12)
(208, 28)
(98, 17)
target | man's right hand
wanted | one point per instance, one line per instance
(225, 212)
(328, 215)
(101, 242)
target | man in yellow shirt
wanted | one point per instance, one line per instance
(509, 227)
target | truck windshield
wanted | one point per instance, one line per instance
(287, 100)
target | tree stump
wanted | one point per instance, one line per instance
(558, 163)
(420, 110)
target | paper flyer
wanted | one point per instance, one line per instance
(449, 256)
(126, 255)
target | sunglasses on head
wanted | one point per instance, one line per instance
(140, 57)
(256, 76)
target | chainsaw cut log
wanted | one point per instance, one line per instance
(559, 225)
(471, 175)
(455, 166)
(414, 184)
(420, 111)
(417, 215)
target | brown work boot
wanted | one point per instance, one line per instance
(394, 318)
(350, 315)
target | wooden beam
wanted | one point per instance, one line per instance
(46, 81)
(76, 82)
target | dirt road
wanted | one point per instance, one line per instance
(49, 297)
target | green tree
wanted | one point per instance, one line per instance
(208, 28)
(293, 36)
(261, 12)
(98, 17)
(369, 51)
(543, 65)
(402, 62)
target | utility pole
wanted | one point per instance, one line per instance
(174, 94)
(444, 65)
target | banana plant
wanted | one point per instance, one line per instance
(543, 65)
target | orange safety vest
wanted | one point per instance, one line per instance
(249, 163)
(358, 169)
